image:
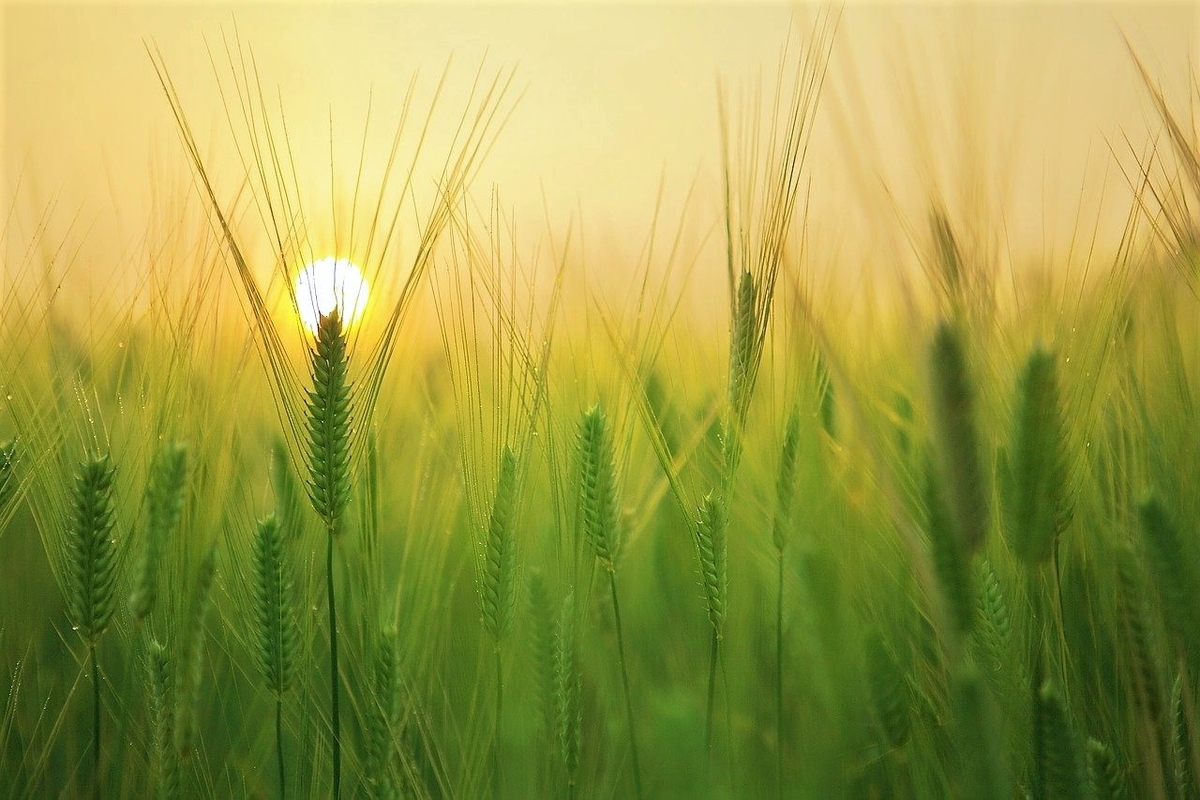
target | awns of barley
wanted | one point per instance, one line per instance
(164, 505)
(953, 421)
(1104, 772)
(162, 723)
(1060, 761)
(91, 549)
(1037, 501)
(498, 590)
(276, 624)
(711, 545)
(329, 423)
(1174, 573)
(568, 691)
(598, 486)
(785, 479)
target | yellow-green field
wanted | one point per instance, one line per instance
(531, 523)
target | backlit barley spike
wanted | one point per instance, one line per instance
(192, 661)
(274, 613)
(598, 486)
(958, 441)
(951, 563)
(1131, 617)
(742, 344)
(569, 691)
(164, 505)
(1105, 772)
(92, 550)
(995, 628)
(329, 423)
(162, 723)
(1174, 574)
(542, 643)
(711, 545)
(1038, 504)
(785, 479)
(1060, 762)
(500, 563)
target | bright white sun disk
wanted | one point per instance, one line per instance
(327, 284)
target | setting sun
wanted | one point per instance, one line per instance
(327, 284)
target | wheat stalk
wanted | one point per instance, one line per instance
(164, 505)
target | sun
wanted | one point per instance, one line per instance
(327, 284)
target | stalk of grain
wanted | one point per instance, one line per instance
(785, 491)
(1175, 576)
(1104, 772)
(983, 771)
(712, 551)
(1038, 506)
(994, 632)
(275, 623)
(162, 723)
(951, 560)
(1060, 765)
(569, 693)
(187, 700)
(164, 505)
(92, 561)
(598, 506)
(887, 682)
(328, 418)
(382, 722)
(1187, 783)
(541, 646)
(497, 591)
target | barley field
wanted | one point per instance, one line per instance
(395, 499)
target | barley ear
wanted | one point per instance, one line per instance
(598, 486)
(711, 545)
(382, 725)
(569, 691)
(994, 631)
(742, 344)
(1104, 772)
(162, 723)
(274, 612)
(542, 645)
(164, 505)
(1186, 783)
(951, 562)
(1038, 505)
(498, 591)
(1060, 760)
(888, 685)
(1175, 575)
(1135, 634)
(91, 549)
(785, 479)
(958, 440)
(192, 661)
(329, 423)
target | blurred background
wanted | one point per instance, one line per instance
(1021, 114)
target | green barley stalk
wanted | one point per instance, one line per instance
(275, 623)
(598, 506)
(162, 722)
(1182, 747)
(92, 561)
(1038, 504)
(785, 490)
(187, 699)
(568, 693)
(1104, 772)
(164, 505)
(888, 686)
(382, 724)
(1175, 576)
(498, 592)
(951, 561)
(712, 550)
(1061, 770)
(328, 453)
(983, 771)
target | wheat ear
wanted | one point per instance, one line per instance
(164, 505)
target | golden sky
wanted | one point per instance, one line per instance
(1004, 110)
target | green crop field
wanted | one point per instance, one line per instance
(509, 533)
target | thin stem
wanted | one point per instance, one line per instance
(333, 671)
(779, 677)
(95, 721)
(279, 746)
(712, 689)
(637, 771)
(497, 762)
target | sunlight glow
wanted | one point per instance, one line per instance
(327, 284)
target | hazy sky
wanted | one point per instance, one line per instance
(1008, 108)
